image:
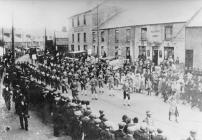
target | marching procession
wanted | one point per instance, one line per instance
(55, 85)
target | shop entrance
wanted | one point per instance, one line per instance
(155, 55)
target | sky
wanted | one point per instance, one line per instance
(50, 14)
(36, 14)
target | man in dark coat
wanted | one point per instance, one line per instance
(120, 134)
(23, 113)
(7, 97)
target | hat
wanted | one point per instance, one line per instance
(57, 98)
(193, 131)
(92, 116)
(77, 113)
(85, 119)
(107, 124)
(101, 111)
(159, 131)
(104, 119)
(97, 120)
(148, 112)
(122, 124)
(143, 128)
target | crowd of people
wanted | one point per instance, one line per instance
(47, 86)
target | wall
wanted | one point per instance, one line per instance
(194, 42)
(110, 43)
(104, 13)
(81, 29)
(156, 37)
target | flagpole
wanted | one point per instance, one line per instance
(3, 40)
(12, 41)
(45, 47)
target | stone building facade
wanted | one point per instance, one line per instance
(160, 42)
(84, 27)
(155, 41)
(118, 42)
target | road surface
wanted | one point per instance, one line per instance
(140, 103)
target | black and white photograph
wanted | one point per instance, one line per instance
(100, 69)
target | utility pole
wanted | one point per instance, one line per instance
(45, 45)
(12, 44)
(98, 48)
(3, 40)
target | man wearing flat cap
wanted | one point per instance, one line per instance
(148, 120)
(159, 135)
(76, 126)
(120, 134)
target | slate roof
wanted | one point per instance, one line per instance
(153, 12)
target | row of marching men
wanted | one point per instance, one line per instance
(76, 119)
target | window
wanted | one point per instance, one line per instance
(116, 36)
(72, 22)
(85, 47)
(143, 33)
(72, 38)
(78, 37)
(168, 32)
(93, 36)
(84, 19)
(102, 36)
(128, 35)
(72, 47)
(84, 37)
(79, 48)
(168, 53)
(78, 22)
(142, 51)
(127, 52)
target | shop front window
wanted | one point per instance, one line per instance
(142, 51)
(168, 53)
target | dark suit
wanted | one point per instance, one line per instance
(159, 137)
(119, 134)
(23, 114)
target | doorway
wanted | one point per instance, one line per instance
(189, 59)
(155, 57)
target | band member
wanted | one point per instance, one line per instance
(100, 82)
(93, 83)
(74, 88)
(173, 110)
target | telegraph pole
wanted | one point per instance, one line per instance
(12, 44)
(45, 45)
(3, 40)
(98, 48)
